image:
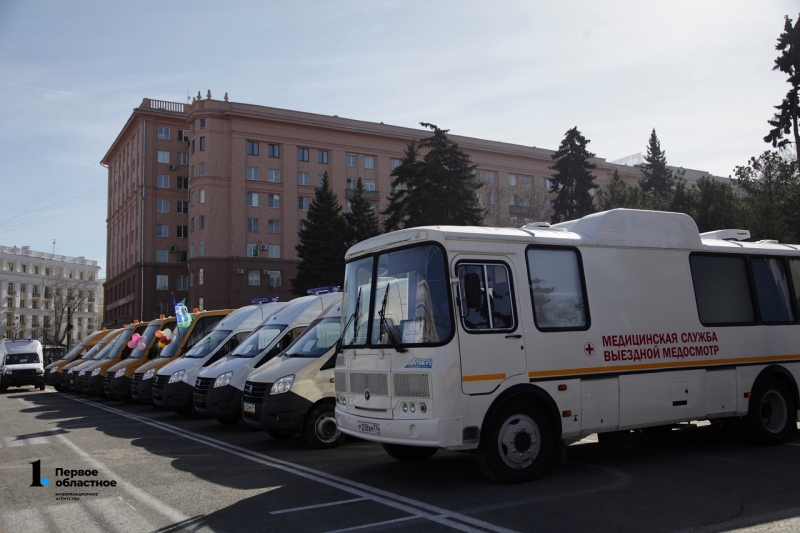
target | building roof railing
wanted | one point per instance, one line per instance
(26, 251)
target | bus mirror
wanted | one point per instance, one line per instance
(472, 290)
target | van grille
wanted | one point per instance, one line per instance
(254, 392)
(158, 385)
(135, 380)
(340, 381)
(412, 385)
(201, 388)
(376, 383)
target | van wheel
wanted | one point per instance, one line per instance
(42, 386)
(517, 444)
(228, 420)
(771, 414)
(401, 452)
(58, 388)
(277, 435)
(320, 429)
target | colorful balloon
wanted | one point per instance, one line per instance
(136, 338)
(131, 344)
(142, 346)
(159, 334)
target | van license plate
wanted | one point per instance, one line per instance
(249, 407)
(374, 429)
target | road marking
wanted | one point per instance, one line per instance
(27, 520)
(419, 509)
(13, 442)
(331, 504)
(405, 518)
(94, 516)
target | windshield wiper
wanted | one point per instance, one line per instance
(384, 324)
(350, 319)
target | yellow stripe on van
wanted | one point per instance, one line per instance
(483, 377)
(656, 366)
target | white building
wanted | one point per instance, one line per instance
(41, 293)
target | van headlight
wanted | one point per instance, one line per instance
(3, 370)
(82, 372)
(119, 373)
(95, 372)
(223, 379)
(177, 376)
(149, 374)
(282, 385)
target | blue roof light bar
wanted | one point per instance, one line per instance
(323, 290)
(267, 300)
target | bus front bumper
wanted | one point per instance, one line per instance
(432, 432)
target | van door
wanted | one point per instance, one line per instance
(491, 339)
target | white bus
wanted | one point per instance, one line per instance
(508, 341)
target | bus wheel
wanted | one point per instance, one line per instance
(320, 430)
(401, 452)
(517, 444)
(771, 414)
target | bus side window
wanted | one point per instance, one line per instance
(485, 295)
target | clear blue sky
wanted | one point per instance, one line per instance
(521, 72)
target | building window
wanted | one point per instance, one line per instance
(274, 251)
(394, 163)
(274, 175)
(36, 269)
(162, 206)
(301, 226)
(252, 225)
(512, 200)
(181, 257)
(252, 173)
(303, 203)
(202, 196)
(183, 208)
(348, 207)
(492, 198)
(252, 148)
(254, 278)
(252, 199)
(162, 230)
(183, 183)
(274, 226)
(202, 144)
(202, 169)
(162, 256)
(202, 222)
(369, 185)
(275, 278)
(193, 146)
(322, 157)
(320, 180)
(526, 181)
(547, 184)
(274, 201)
(274, 150)
(252, 250)
(162, 283)
(302, 178)
(182, 283)
(183, 136)
(302, 154)
(352, 160)
(512, 180)
(490, 176)
(351, 183)
(163, 157)
(200, 276)
(369, 161)
(202, 123)
(163, 133)
(162, 181)
(513, 222)
(183, 159)
(183, 232)
(201, 248)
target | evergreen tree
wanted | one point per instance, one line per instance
(684, 196)
(784, 123)
(361, 220)
(717, 205)
(322, 243)
(619, 194)
(657, 179)
(439, 190)
(573, 178)
(770, 184)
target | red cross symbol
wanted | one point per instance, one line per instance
(588, 349)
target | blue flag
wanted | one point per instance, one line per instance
(182, 314)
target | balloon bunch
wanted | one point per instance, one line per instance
(135, 338)
(164, 337)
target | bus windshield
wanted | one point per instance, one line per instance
(320, 337)
(258, 341)
(411, 303)
(208, 343)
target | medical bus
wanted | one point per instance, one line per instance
(510, 341)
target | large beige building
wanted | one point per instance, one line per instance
(206, 199)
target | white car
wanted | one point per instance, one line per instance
(21, 363)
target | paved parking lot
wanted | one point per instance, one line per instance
(176, 473)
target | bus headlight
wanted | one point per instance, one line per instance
(282, 385)
(341, 400)
(223, 379)
(177, 376)
(149, 374)
(119, 373)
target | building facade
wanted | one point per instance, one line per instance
(206, 199)
(45, 293)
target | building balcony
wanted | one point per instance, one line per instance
(519, 210)
(369, 195)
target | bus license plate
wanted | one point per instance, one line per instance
(374, 429)
(249, 407)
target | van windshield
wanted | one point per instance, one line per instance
(72, 352)
(258, 341)
(208, 343)
(21, 358)
(144, 341)
(93, 350)
(116, 348)
(320, 337)
(103, 349)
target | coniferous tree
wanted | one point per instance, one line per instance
(717, 205)
(684, 196)
(770, 184)
(784, 123)
(322, 243)
(573, 178)
(361, 220)
(439, 190)
(619, 194)
(657, 179)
